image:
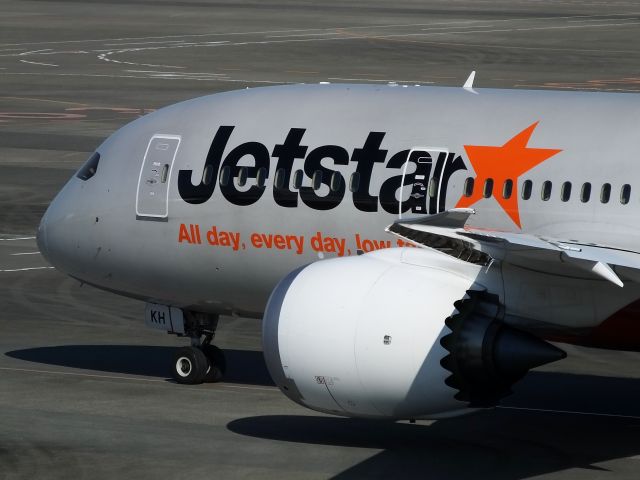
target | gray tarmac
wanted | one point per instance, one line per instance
(84, 389)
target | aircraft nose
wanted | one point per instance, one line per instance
(58, 228)
(41, 237)
(50, 233)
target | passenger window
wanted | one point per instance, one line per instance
(242, 176)
(278, 181)
(605, 193)
(336, 181)
(225, 175)
(585, 194)
(546, 190)
(507, 189)
(317, 180)
(488, 188)
(354, 182)
(625, 194)
(297, 178)
(527, 187)
(565, 192)
(165, 173)
(207, 175)
(432, 188)
(89, 168)
(261, 177)
(468, 187)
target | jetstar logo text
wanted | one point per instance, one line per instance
(427, 180)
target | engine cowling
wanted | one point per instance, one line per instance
(382, 335)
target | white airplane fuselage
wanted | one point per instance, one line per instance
(210, 206)
(97, 236)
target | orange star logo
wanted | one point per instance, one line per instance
(503, 163)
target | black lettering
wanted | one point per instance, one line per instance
(196, 194)
(312, 164)
(261, 158)
(390, 189)
(418, 180)
(366, 157)
(393, 194)
(437, 173)
(286, 153)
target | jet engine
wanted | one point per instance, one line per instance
(397, 334)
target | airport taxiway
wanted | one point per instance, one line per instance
(84, 388)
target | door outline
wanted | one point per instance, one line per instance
(426, 180)
(150, 216)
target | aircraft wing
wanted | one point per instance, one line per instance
(449, 233)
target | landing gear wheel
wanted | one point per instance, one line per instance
(217, 363)
(190, 365)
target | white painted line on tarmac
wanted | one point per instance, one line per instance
(36, 51)
(40, 63)
(145, 77)
(142, 43)
(458, 26)
(383, 80)
(49, 101)
(24, 269)
(600, 19)
(347, 27)
(571, 412)
(16, 238)
(304, 35)
(246, 387)
(177, 73)
(579, 87)
(465, 32)
(24, 253)
(122, 377)
(75, 374)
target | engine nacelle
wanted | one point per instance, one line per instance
(398, 333)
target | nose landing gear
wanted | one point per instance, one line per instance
(190, 365)
(194, 365)
(217, 363)
(201, 362)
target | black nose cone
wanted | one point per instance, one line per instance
(516, 352)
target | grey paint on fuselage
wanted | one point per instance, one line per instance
(93, 229)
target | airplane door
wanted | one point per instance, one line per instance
(153, 183)
(422, 181)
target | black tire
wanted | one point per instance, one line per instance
(217, 363)
(189, 366)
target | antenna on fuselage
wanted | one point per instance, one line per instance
(468, 85)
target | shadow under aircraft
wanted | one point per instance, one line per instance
(552, 422)
(244, 366)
